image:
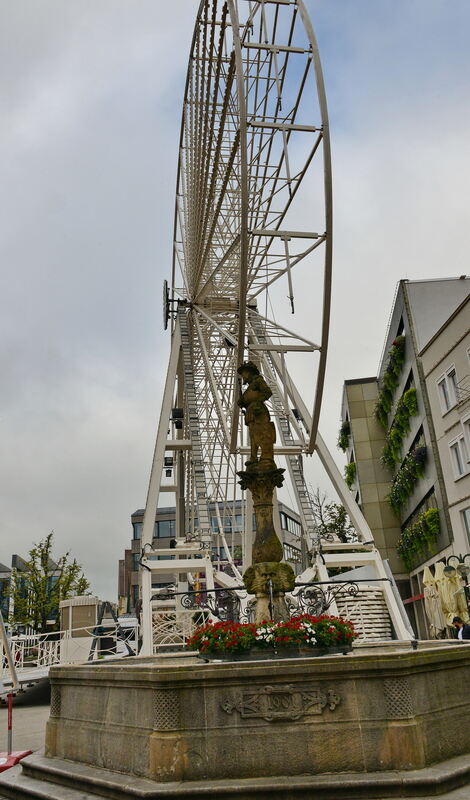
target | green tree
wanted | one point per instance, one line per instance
(331, 518)
(37, 591)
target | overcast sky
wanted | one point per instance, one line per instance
(90, 104)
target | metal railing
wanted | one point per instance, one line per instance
(35, 654)
(463, 390)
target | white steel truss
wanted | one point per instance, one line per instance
(254, 145)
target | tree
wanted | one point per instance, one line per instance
(37, 591)
(331, 518)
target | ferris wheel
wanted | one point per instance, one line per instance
(252, 233)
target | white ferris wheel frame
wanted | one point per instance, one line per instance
(239, 174)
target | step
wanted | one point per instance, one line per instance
(56, 779)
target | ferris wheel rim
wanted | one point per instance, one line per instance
(232, 6)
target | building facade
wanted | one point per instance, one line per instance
(401, 464)
(446, 367)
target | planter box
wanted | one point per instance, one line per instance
(269, 653)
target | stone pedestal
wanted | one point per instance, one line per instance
(389, 723)
(269, 581)
(188, 721)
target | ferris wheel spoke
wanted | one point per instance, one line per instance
(253, 122)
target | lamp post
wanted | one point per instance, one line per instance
(463, 569)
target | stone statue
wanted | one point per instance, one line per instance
(262, 430)
(268, 578)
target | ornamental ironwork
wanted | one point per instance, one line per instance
(316, 598)
(232, 604)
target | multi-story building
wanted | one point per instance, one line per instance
(395, 432)
(227, 545)
(446, 368)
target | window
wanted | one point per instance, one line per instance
(137, 530)
(292, 553)
(291, 525)
(164, 529)
(135, 561)
(459, 457)
(466, 522)
(231, 523)
(466, 432)
(447, 389)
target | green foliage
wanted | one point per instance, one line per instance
(390, 380)
(305, 631)
(418, 538)
(343, 436)
(331, 518)
(406, 478)
(44, 583)
(350, 473)
(407, 407)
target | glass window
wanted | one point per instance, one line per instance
(459, 457)
(466, 432)
(291, 525)
(292, 553)
(135, 561)
(466, 522)
(447, 389)
(444, 395)
(137, 526)
(165, 529)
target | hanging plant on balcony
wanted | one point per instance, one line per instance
(343, 436)
(390, 380)
(419, 536)
(350, 473)
(407, 407)
(406, 478)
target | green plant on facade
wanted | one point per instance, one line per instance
(350, 473)
(343, 436)
(407, 407)
(390, 380)
(418, 538)
(411, 470)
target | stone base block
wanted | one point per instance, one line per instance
(183, 721)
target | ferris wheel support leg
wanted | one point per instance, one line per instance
(354, 512)
(154, 490)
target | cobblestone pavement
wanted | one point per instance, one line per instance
(30, 714)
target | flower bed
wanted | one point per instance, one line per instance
(305, 632)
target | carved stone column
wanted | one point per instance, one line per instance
(267, 578)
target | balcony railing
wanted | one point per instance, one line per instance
(463, 390)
